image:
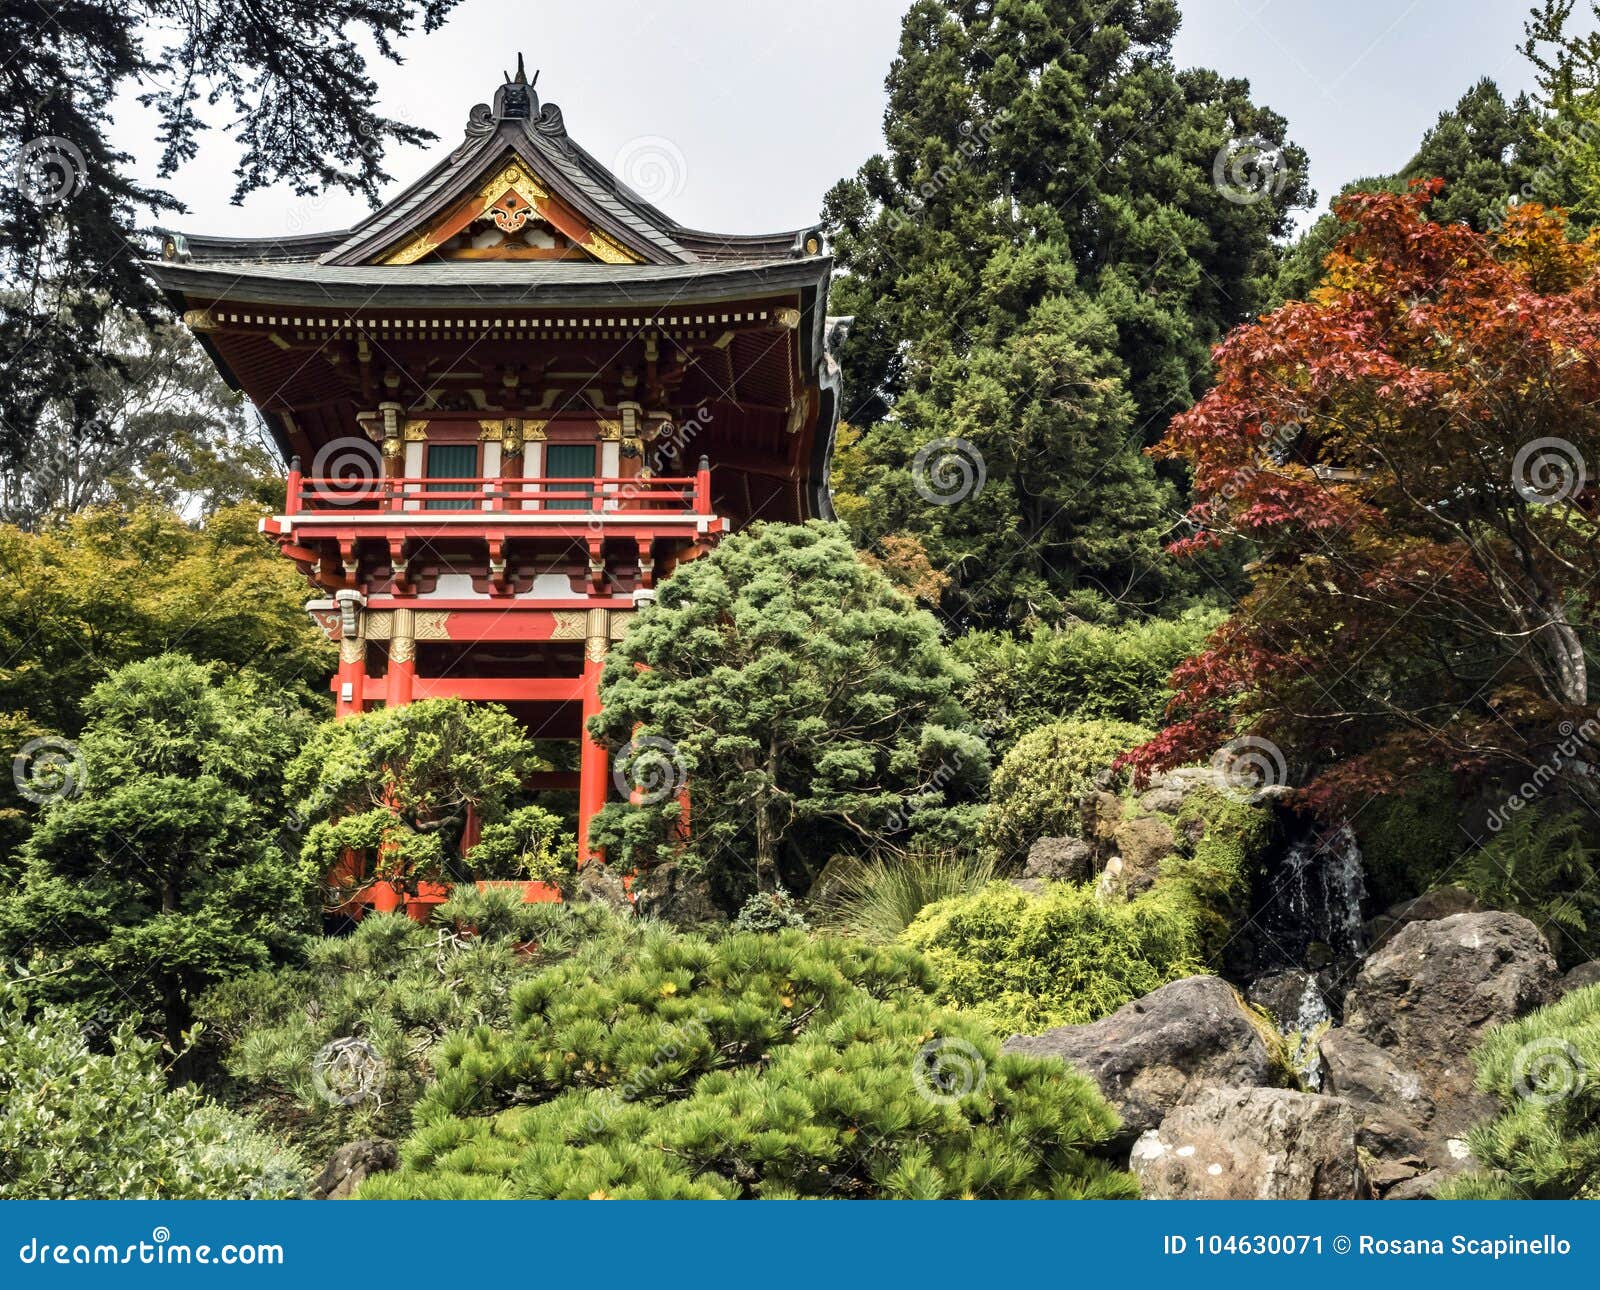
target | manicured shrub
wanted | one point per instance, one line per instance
(1025, 963)
(1040, 787)
(1545, 1071)
(757, 1066)
(529, 843)
(77, 1124)
(1086, 671)
(342, 1048)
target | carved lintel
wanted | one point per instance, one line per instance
(610, 431)
(199, 320)
(380, 624)
(788, 319)
(416, 432)
(570, 625)
(621, 620)
(608, 250)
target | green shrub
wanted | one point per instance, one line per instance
(877, 900)
(1026, 963)
(769, 911)
(1410, 841)
(342, 1048)
(81, 1125)
(1085, 671)
(529, 843)
(757, 1066)
(1545, 1071)
(1040, 787)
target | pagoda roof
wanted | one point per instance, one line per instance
(515, 144)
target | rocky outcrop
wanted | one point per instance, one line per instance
(1157, 1052)
(351, 1165)
(598, 882)
(1428, 996)
(1389, 1101)
(668, 892)
(1252, 1144)
(1143, 843)
(1429, 907)
(1585, 974)
(1060, 860)
(1295, 999)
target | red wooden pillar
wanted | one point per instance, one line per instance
(352, 678)
(402, 671)
(593, 765)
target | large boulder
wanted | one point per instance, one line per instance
(1143, 843)
(1430, 993)
(1253, 1144)
(1394, 1110)
(1161, 1050)
(351, 1165)
(673, 894)
(1429, 907)
(1059, 860)
(1585, 974)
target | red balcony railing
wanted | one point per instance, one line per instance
(687, 495)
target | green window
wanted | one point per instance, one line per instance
(452, 461)
(570, 461)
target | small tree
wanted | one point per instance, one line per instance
(1410, 451)
(793, 690)
(403, 780)
(160, 875)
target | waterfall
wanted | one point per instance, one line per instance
(1309, 906)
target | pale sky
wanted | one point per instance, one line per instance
(738, 115)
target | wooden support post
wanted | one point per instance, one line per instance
(349, 697)
(593, 765)
(402, 672)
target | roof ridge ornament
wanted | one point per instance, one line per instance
(516, 100)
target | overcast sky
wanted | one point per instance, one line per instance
(737, 115)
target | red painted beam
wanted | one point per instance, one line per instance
(542, 689)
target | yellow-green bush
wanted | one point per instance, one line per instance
(1028, 962)
(1040, 787)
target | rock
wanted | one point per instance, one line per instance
(1029, 886)
(1585, 974)
(1424, 1186)
(1059, 860)
(1143, 844)
(351, 1165)
(1108, 886)
(1383, 1175)
(667, 892)
(1161, 1050)
(1252, 1144)
(1429, 907)
(1428, 996)
(829, 884)
(597, 882)
(1167, 793)
(1388, 1099)
(1103, 812)
(1294, 998)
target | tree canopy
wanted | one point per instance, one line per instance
(1061, 224)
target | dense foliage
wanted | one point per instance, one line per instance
(806, 704)
(1406, 451)
(156, 869)
(397, 784)
(757, 1066)
(1037, 264)
(1545, 1145)
(102, 1124)
(342, 1046)
(1087, 671)
(1025, 962)
(1039, 789)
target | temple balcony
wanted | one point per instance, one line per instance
(422, 535)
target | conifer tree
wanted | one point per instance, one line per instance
(1060, 225)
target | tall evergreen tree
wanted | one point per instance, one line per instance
(1059, 227)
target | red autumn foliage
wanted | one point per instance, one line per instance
(1408, 452)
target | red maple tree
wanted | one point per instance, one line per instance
(1408, 452)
